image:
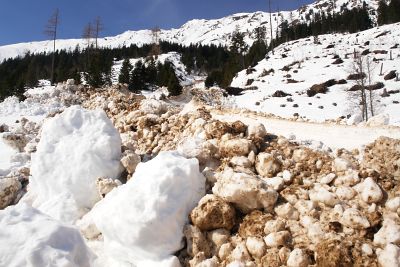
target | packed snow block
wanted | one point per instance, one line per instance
(76, 147)
(144, 219)
(31, 238)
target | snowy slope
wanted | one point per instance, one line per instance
(198, 31)
(311, 64)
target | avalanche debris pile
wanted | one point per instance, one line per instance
(248, 198)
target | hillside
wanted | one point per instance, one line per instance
(199, 31)
(298, 65)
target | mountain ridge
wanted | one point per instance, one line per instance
(197, 31)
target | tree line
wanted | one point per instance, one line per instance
(388, 12)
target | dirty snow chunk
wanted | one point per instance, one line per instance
(320, 194)
(277, 239)
(195, 147)
(369, 191)
(268, 165)
(287, 211)
(235, 147)
(389, 257)
(389, 233)
(9, 188)
(212, 213)
(256, 130)
(144, 219)
(76, 147)
(130, 160)
(31, 238)
(153, 106)
(341, 165)
(297, 258)
(354, 219)
(245, 191)
(378, 120)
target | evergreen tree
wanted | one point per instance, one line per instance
(124, 76)
(137, 78)
(382, 12)
(238, 46)
(174, 88)
(394, 11)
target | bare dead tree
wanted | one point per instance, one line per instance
(98, 28)
(270, 25)
(88, 34)
(362, 70)
(51, 31)
(155, 49)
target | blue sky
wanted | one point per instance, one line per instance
(24, 20)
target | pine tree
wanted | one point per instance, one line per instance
(238, 45)
(137, 82)
(124, 76)
(382, 13)
(174, 88)
(51, 31)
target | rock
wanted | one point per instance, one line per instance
(391, 75)
(256, 247)
(389, 233)
(256, 131)
(322, 195)
(196, 241)
(354, 219)
(298, 258)
(277, 239)
(9, 188)
(369, 191)
(212, 213)
(130, 160)
(4, 128)
(389, 256)
(235, 147)
(267, 165)
(245, 191)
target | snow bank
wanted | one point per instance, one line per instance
(142, 221)
(30, 238)
(76, 148)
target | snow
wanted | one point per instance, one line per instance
(197, 31)
(30, 238)
(76, 147)
(312, 64)
(345, 136)
(142, 221)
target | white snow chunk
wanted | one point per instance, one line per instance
(143, 220)
(76, 147)
(353, 218)
(320, 194)
(31, 238)
(393, 204)
(369, 191)
(389, 257)
(297, 258)
(153, 106)
(389, 233)
(378, 120)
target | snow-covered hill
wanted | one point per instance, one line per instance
(198, 31)
(296, 66)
